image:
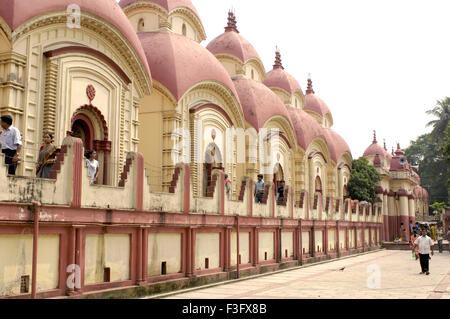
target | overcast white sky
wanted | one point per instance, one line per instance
(378, 64)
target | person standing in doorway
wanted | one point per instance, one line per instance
(259, 189)
(228, 186)
(425, 244)
(92, 165)
(280, 194)
(11, 142)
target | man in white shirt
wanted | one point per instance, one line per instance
(425, 245)
(11, 142)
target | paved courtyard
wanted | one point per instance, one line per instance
(384, 274)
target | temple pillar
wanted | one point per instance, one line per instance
(404, 214)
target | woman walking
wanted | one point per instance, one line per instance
(92, 165)
(47, 154)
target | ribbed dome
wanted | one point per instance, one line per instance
(179, 63)
(279, 78)
(336, 144)
(17, 12)
(259, 103)
(375, 149)
(232, 43)
(306, 127)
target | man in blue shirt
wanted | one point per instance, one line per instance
(259, 189)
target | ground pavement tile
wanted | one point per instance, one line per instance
(399, 276)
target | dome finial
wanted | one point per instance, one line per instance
(374, 137)
(385, 148)
(310, 89)
(278, 64)
(232, 23)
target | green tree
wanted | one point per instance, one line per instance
(440, 124)
(445, 149)
(363, 181)
(428, 153)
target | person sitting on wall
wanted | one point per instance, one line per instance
(92, 165)
(11, 142)
(280, 194)
(47, 154)
(259, 189)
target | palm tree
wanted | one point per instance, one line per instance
(441, 112)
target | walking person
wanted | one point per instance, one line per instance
(414, 250)
(228, 186)
(425, 244)
(259, 189)
(92, 165)
(11, 142)
(47, 154)
(440, 238)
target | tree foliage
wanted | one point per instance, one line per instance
(431, 153)
(363, 181)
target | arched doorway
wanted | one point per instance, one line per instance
(318, 185)
(345, 192)
(89, 125)
(83, 129)
(213, 160)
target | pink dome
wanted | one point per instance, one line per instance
(169, 5)
(17, 12)
(279, 78)
(179, 63)
(305, 126)
(232, 43)
(375, 149)
(336, 144)
(315, 104)
(259, 103)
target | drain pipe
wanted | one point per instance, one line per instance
(36, 206)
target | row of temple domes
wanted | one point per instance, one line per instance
(178, 63)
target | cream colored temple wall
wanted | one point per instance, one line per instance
(16, 255)
(144, 20)
(107, 251)
(244, 248)
(342, 239)
(207, 245)
(318, 241)
(331, 239)
(305, 242)
(287, 244)
(166, 248)
(266, 245)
